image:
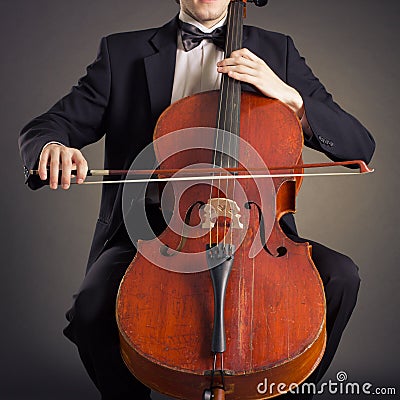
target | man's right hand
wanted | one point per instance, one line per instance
(62, 159)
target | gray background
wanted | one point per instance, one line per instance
(352, 45)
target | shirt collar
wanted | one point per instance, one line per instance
(188, 19)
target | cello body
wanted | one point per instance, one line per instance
(274, 306)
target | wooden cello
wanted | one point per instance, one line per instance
(252, 309)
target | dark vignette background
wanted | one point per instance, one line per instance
(352, 45)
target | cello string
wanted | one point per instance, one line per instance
(227, 96)
(235, 152)
(233, 121)
(232, 113)
(230, 98)
(226, 99)
(221, 95)
(224, 95)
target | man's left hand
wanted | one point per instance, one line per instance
(245, 66)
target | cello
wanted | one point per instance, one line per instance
(222, 300)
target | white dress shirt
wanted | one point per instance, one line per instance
(196, 70)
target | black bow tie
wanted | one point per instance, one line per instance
(192, 36)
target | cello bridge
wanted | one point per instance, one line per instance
(221, 207)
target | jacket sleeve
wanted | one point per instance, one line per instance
(76, 120)
(335, 132)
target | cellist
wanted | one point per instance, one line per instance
(135, 76)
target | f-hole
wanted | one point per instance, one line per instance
(165, 250)
(280, 251)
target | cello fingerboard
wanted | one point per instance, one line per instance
(228, 117)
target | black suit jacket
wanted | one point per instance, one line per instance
(129, 85)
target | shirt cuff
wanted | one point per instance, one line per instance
(306, 126)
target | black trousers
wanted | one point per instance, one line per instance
(92, 326)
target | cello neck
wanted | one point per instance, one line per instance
(228, 117)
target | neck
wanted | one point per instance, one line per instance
(204, 25)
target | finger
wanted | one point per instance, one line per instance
(81, 167)
(253, 80)
(245, 53)
(42, 168)
(237, 61)
(54, 167)
(66, 167)
(241, 69)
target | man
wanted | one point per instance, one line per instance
(134, 78)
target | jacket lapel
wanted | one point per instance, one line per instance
(160, 67)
